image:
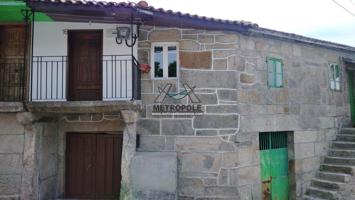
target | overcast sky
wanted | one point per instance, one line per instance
(322, 19)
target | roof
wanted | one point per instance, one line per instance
(113, 12)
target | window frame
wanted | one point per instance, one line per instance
(274, 61)
(165, 46)
(332, 77)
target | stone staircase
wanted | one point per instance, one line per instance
(336, 170)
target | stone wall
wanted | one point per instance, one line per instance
(32, 150)
(11, 156)
(47, 154)
(217, 152)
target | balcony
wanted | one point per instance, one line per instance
(104, 84)
(109, 78)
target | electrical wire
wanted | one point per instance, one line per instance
(347, 10)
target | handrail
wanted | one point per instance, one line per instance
(49, 75)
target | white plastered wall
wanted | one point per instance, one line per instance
(50, 40)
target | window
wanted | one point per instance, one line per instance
(274, 72)
(164, 60)
(335, 77)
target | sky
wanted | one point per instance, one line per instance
(321, 19)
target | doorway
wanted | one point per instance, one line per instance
(12, 47)
(351, 82)
(274, 165)
(93, 165)
(85, 65)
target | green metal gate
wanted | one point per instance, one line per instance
(351, 95)
(274, 165)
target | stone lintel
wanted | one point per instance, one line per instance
(71, 107)
(11, 107)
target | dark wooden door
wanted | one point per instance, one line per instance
(85, 61)
(12, 45)
(93, 168)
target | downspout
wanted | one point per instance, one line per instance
(27, 14)
(31, 60)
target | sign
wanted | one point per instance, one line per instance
(160, 108)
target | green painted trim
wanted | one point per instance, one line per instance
(11, 12)
(274, 62)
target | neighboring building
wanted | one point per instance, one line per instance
(226, 110)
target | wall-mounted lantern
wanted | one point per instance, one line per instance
(125, 33)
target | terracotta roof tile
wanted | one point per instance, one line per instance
(149, 8)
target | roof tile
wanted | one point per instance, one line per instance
(149, 8)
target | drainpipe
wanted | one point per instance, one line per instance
(27, 14)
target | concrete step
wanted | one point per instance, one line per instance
(336, 168)
(327, 185)
(347, 131)
(306, 197)
(330, 176)
(339, 160)
(343, 145)
(322, 193)
(346, 153)
(345, 137)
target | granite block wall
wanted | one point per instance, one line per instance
(218, 151)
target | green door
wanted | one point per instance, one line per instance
(351, 95)
(274, 165)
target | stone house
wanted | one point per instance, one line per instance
(114, 100)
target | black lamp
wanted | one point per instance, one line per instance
(124, 33)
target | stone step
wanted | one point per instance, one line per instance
(306, 197)
(347, 131)
(339, 160)
(9, 197)
(322, 193)
(345, 137)
(327, 185)
(330, 176)
(343, 145)
(346, 169)
(347, 153)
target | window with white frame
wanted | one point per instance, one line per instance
(164, 60)
(335, 77)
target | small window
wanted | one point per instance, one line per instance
(165, 60)
(274, 72)
(335, 77)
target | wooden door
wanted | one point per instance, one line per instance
(93, 168)
(12, 45)
(85, 65)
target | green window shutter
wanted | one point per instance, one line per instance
(270, 73)
(275, 72)
(279, 74)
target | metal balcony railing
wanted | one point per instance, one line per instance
(12, 80)
(120, 78)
